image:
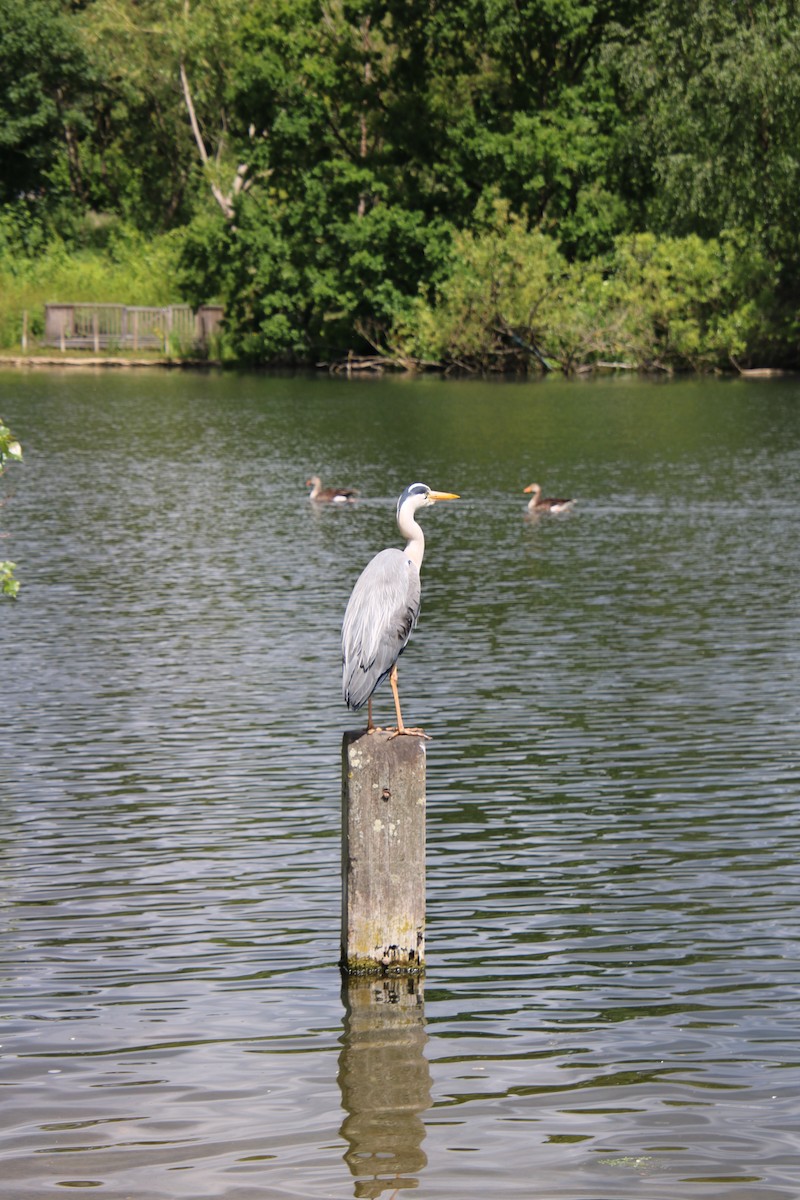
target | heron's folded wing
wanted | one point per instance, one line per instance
(380, 615)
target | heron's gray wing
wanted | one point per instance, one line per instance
(380, 615)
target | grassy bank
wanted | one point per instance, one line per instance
(125, 269)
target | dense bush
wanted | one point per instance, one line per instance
(298, 287)
(512, 298)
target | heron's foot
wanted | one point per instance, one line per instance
(411, 732)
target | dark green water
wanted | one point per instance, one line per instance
(610, 1009)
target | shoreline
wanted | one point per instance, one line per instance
(30, 360)
(346, 368)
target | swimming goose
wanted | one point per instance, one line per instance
(539, 503)
(329, 495)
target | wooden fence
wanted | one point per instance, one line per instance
(129, 327)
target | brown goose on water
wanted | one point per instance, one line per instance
(539, 503)
(329, 495)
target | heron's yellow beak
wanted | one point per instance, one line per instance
(529, 488)
(443, 496)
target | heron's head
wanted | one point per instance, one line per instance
(314, 480)
(532, 487)
(419, 494)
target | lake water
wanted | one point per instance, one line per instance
(611, 1003)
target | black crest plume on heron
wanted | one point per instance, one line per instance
(383, 610)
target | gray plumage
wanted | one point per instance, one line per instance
(384, 606)
(382, 612)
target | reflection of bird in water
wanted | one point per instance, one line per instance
(539, 503)
(383, 609)
(329, 495)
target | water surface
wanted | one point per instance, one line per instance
(610, 1008)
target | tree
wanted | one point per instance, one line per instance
(326, 156)
(45, 76)
(165, 70)
(711, 95)
(513, 98)
(374, 128)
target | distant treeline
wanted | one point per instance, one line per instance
(482, 184)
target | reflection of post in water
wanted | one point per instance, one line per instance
(385, 1082)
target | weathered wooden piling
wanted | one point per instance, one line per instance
(383, 853)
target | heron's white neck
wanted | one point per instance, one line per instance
(534, 500)
(415, 538)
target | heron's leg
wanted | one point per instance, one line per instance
(393, 684)
(401, 728)
(371, 726)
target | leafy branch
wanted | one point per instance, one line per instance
(10, 451)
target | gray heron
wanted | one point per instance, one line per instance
(539, 503)
(383, 610)
(329, 495)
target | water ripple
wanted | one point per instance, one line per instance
(613, 780)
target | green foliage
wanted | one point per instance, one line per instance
(10, 451)
(668, 303)
(685, 302)
(298, 279)
(458, 181)
(45, 78)
(9, 586)
(152, 55)
(128, 268)
(711, 97)
(500, 283)
(440, 103)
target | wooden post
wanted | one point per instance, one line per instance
(383, 853)
(95, 331)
